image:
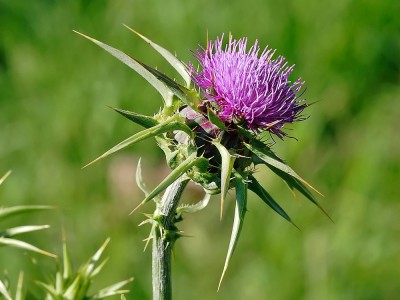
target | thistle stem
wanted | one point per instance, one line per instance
(163, 240)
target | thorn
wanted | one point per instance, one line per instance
(136, 208)
(92, 162)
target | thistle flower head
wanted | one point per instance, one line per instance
(246, 87)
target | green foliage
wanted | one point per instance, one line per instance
(69, 285)
(346, 51)
(7, 235)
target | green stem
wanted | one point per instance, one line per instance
(164, 237)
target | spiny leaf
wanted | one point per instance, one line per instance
(294, 183)
(140, 182)
(67, 266)
(24, 245)
(49, 289)
(194, 207)
(99, 268)
(188, 96)
(112, 289)
(166, 126)
(173, 176)
(215, 120)
(6, 212)
(18, 294)
(256, 187)
(2, 179)
(172, 59)
(3, 291)
(142, 120)
(227, 161)
(22, 229)
(72, 291)
(160, 86)
(240, 211)
(88, 268)
(265, 155)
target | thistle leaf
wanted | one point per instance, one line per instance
(99, 267)
(22, 229)
(188, 96)
(18, 294)
(140, 182)
(240, 211)
(215, 120)
(266, 156)
(2, 179)
(227, 161)
(6, 212)
(73, 290)
(88, 268)
(194, 207)
(23, 245)
(256, 187)
(168, 125)
(294, 183)
(139, 119)
(169, 57)
(173, 176)
(49, 289)
(67, 266)
(112, 290)
(3, 291)
(163, 89)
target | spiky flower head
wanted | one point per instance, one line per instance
(247, 87)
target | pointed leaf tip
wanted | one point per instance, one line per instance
(168, 56)
(240, 212)
(187, 164)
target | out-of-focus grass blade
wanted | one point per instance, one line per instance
(294, 183)
(2, 179)
(22, 229)
(163, 89)
(227, 161)
(3, 291)
(168, 125)
(265, 155)
(139, 119)
(23, 245)
(112, 289)
(256, 187)
(194, 207)
(169, 57)
(240, 212)
(6, 212)
(174, 175)
(18, 294)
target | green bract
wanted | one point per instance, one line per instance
(201, 147)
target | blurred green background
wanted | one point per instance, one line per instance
(54, 88)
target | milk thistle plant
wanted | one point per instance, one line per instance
(212, 129)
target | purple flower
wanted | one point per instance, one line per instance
(246, 88)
